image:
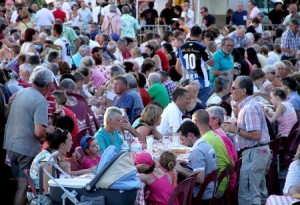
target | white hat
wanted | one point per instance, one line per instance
(57, 5)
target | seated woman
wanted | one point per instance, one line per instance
(285, 114)
(150, 118)
(292, 181)
(158, 182)
(195, 104)
(61, 141)
(110, 134)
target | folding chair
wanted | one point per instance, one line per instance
(181, 192)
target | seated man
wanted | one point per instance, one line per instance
(202, 158)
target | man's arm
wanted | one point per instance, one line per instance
(178, 67)
(186, 173)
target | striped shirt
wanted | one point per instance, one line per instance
(291, 41)
(251, 117)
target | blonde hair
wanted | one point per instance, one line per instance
(151, 114)
(60, 97)
(167, 160)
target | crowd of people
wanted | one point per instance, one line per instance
(217, 89)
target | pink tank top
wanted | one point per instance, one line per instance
(160, 191)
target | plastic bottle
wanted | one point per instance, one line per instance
(136, 146)
(124, 146)
(128, 138)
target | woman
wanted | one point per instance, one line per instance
(29, 38)
(110, 134)
(25, 21)
(61, 99)
(167, 38)
(151, 51)
(261, 84)
(150, 118)
(285, 114)
(195, 104)
(74, 16)
(270, 72)
(61, 141)
(251, 55)
(238, 58)
(292, 181)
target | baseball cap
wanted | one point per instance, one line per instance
(144, 158)
(86, 141)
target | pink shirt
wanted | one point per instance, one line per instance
(87, 162)
(287, 120)
(112, 24)
(231, 153)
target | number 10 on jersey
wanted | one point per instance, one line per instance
(190, 61)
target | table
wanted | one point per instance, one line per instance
(280, 200)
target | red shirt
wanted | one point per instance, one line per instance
(145, 96)
(59, 14)
(71, 114)
(164, 59)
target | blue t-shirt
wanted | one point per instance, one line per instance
(105, 139)
(223, 63)
(126, 101)
(294, 99)
(239, 18)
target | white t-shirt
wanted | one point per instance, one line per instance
(95, 12)
(44, 17)
(14, 16)
(213, 99)
(190, 14)
(66, 50)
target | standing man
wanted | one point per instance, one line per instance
(188, 14)
(223, 60)
(58, 13)
(239, 17)
(293, 14)
(190, 62)
(239, 37)
(150, 15)
(86, 15)
(167, 14)
(253, 138)
(290, 40)
(26, 128)
(62, 42)
(202, 159)
(129, 23)
(207, 19)
(44, 17)
(253, 11)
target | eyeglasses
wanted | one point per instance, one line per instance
(234, 88)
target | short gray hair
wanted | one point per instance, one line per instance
(154, 78)
(226, 38)
(269, 69)
(247, 83)
(53, 67)
(43, 77)
(111, 113)
(131, 80)
(84, 48)
(27, 67)
(220, 83)
(279, 64)
(217, 112)
(111, 45)
(87, 61)
(125, 10)
(67, 85)
(116, 70)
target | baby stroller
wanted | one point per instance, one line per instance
(115, 183)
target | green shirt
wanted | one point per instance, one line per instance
(106, 139)
(222, 156)
(159, 93)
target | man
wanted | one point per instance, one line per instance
(277, 15)
(83, 51)
(137, 56)
(290, 40)
(157, 91)
(168, 83)
(201, 119)
(253, 11)
(123, 99)
(253, 138)
(129, 24)
(190, 62)
(110, 50)
(112, 22)
(62, 42)
(290, 88)
(239, 17)
(86, 15)
(171, 117)
(167, 14)
(59, 13)
(103, 40)
(188, 14)
(293, 14)
(207, 19)
(122, 47)
(221, 89)
(132, 90)
(223, 60)
(150, 15)
(202, 159)
(26, 128)
(44, 17)
(105, 10)
(239, 37)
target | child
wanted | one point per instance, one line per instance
(66, 167)
(167, 161)
(157, 181)
(91, 150)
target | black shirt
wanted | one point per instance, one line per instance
(167, 14)
(276, 17)
(150, 15)
(210, 19)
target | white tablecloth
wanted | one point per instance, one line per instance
(280, 200)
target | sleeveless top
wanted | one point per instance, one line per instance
(25, 47)
(287, 120)
(160, 191)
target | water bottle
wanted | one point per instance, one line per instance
(127, 138)
(136, 146)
